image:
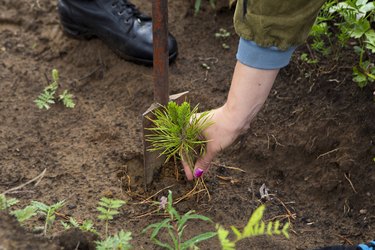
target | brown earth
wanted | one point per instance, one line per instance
(312, 145)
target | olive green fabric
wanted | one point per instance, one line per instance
(280, 23)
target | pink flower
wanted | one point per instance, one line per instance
(163, 202)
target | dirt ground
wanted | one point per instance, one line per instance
(312, 144)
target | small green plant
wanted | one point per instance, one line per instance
(24, 214)
(6, 203)
(47, 97)
(255, 227)
(120, 241)
(198, 3)
(86, 225)
(353, 20)
(320, 31)
(177, 132)
(304, 57)
(357, 16)
(175, 225)
(48, 211)
(67, 99)
(108, 208)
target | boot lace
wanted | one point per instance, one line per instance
(128, 10)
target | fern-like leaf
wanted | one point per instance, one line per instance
(67, 99)
(24, 214)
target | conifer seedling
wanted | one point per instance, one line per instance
(178, 132)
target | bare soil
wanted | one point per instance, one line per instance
(312, 144)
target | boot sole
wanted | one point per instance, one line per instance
(78, 33)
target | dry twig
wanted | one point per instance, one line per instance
(350, 182)
(37, 179)
(327, 153)
(345, 239)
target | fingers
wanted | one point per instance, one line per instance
(202, 165)
(188, 173)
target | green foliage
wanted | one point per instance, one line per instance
(86, 225)
(198, 4)
(225, 243)
(24, 214)
(120, 241)
(177, 131)
(7, 203)
(255, 227)
(357, 17)
(175, 225)
(304, 57)
(353, 18)
(364, 73)
(47, 97)
(48, 212)
(108, 208)
(320, 30)
(67, 99)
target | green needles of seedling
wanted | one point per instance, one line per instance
(177, 132)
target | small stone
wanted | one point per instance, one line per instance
(72, 206)
(363, 211)
(368, 194)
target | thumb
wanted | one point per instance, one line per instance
(203, 164)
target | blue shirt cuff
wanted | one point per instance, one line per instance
(255, 56)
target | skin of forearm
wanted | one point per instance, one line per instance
(249, 90)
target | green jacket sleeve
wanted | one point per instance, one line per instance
(280, 23)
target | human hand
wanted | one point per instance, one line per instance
(222, 133)
(248, 92)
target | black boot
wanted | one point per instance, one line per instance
(118, 23)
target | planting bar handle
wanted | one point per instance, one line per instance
(160, 46)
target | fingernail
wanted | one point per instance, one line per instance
(198, 172)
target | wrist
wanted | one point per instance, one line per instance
(241, 116)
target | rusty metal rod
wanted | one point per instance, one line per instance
(161, 57)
